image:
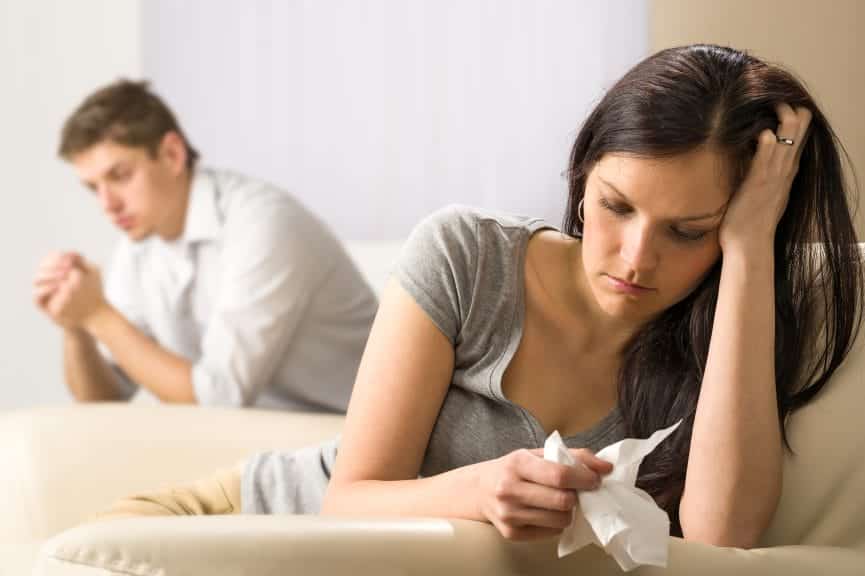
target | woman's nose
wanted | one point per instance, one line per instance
(638, 248)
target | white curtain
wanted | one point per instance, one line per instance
(376, 112)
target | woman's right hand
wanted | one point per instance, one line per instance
(526, 497)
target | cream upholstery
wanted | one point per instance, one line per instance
(60, 465)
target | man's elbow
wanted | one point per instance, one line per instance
(224, 400)
(216, 388)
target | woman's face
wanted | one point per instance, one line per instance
(651, 230)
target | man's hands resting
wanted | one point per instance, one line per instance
(68, 289)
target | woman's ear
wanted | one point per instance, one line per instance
(172, 151)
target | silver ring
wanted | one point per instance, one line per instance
(787, 141)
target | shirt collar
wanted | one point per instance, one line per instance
(203, 221)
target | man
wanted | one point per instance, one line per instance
(225, 290)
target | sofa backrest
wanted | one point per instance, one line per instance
(375, 260)
(823, 497)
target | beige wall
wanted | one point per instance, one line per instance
(822, 42)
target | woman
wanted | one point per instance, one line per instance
(679, 288)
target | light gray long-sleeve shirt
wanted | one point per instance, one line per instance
(257, 294)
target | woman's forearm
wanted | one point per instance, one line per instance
(734, 467)
(451, 494)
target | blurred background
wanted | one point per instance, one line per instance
(372, 112)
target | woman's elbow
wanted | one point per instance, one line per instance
(725, 538)
(727, 533)
(740, 526)
(330, 502)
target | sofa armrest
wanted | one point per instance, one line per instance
(313, 545)
(61, 465)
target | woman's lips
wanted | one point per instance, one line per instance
(620, 285)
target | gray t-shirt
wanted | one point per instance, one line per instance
(465, 268)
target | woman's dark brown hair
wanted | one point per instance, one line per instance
(703, 95)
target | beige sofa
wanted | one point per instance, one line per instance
(60, 465)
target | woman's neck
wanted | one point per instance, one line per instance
(568, 300)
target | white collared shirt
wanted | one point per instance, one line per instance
(257, 293)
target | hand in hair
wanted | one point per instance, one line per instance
(68, 289)
(757, 206)
(526, 497)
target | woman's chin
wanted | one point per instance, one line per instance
(624, 307)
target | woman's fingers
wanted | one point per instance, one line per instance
(767, 153)
(805, 114)
(588, 458)
(585, 456)
(535, 469)
(788, 121)
(788, 128)
(535, 498)
(533, 495)
(792, 124)
(522, 516)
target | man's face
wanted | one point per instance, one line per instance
(651, 223)
(134, 189)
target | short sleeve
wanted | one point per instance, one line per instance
(438, 264)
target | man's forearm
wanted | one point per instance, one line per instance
(88, 375)
(165, 374)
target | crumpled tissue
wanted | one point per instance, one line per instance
(617, 516)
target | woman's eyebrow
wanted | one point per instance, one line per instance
(706, 216)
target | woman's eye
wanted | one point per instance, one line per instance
(615, 208)
(688, 235)
(678, 233)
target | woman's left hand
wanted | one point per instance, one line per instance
(756, 207)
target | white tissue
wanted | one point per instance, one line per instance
(617, 516)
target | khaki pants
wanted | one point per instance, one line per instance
(216, 494)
